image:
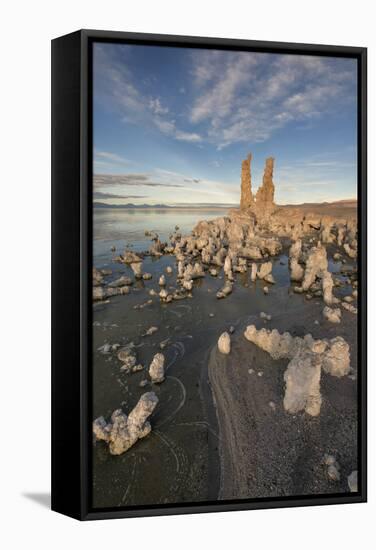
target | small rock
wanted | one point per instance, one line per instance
(266, 290)
(147, 276)
(231, 330)
(169, 269)
(332, 314)
(143, 383)
(137, 368)
(352, 481)
(250, 371)
(162, 280)
(151, 331)
(260, 373)
(224, 343)
(265, 316)
(156, 369)
(272, 405)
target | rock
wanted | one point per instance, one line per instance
(307, 357)
(224, 343)
(348, 299)
(147, 276)
(250, 252)
(298, 290)
(254, 272)
(332, 315)
(130, 257)
(169, 270)
(143, 383)
(231, 330)
(327, 288)
(137, 368)
(269, 279)
(128, 357)
(266, 290)
(333, 468)
(137, 269)
(97, 277)
(265, 316)
(123, 432)
(302, 378)
(213, 272)
(265, 205)
(264, 270)
(122, 281)
(188, 285)
(349, 307)
(316, 264)
(225, 290)
(124, 290)
(297, 271)
(162, 280)
(352, 481)
(151, 331)
(336, 360)
(194, 272)
(349, 251)
(156, 369)
(246, 198)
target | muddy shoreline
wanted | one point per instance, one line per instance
(264, 451)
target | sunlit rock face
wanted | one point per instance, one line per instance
(246, 197)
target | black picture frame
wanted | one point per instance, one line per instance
(71, 272)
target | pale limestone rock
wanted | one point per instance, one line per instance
(297, 271)
(332, 355)
(122, 281)
(352, 481)
(246, 198)
(250, 252)
(194, 272)
(162, 280)
(224, 343)
(332, 314)
(302, 378)
(265, 205)
(336, 360)
(169, 270)
(350, 307)
(187, 284)
(352, 253)
(147, 276)
(122, 432)
(316, 264)
(130, 257)
(227, 266)
(156, 369)
(225, 290)
(137, 269)
(265, 269)
(254, 272)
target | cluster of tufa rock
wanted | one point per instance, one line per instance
(123, 431)
(307, 358)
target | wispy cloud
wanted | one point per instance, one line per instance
(115, 83)
(138, 180)
(247, 97)
(103, 195)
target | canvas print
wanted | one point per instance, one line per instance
(225, 275)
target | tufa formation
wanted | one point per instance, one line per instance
(263, 204)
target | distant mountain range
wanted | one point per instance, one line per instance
(132, 206)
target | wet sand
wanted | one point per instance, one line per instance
(266, 452)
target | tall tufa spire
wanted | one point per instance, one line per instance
(246, 198)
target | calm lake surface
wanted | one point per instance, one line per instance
(121, 227)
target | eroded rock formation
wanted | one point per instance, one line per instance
(307, 357)
(123, 432)
(246, 197)
(265, 194)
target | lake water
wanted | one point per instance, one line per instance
(115, 227)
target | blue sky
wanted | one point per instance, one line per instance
(172, 125)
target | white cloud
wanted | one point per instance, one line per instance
(243, 96)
